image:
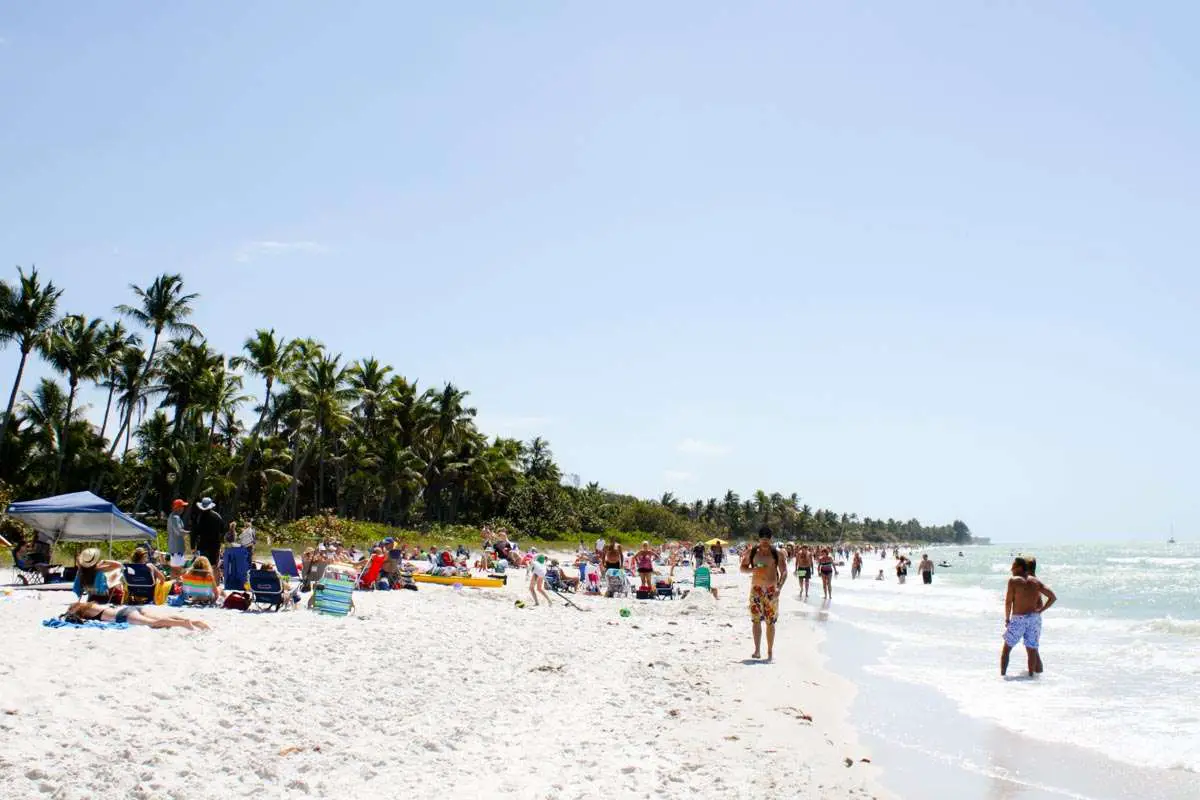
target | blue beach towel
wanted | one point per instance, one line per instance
(91, 623)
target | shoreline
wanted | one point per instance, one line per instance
(928, 748)
(419, 691)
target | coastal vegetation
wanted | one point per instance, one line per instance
(295, 436)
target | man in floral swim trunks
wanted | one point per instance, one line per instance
(1023, 613)
(769, 572)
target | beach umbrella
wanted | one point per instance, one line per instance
(716, 542)
(79, 517)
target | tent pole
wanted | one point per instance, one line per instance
(110, 535)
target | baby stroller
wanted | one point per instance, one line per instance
(618, 583)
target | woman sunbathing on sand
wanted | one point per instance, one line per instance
(82, 612)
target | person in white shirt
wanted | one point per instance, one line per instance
(247, 536)
(537, 579)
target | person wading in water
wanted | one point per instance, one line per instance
(769, 571)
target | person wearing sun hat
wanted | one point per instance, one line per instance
(207, 532)
(91, 577)
(177, 537)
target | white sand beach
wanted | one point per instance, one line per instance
(435, 693)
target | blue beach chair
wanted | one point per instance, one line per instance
(266, 589)
(139, 584)
(285, 563)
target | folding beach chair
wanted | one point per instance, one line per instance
(235, 566)
(334, 593)
(34, 566)
(139, 584)
(618, 583)
(285, 563)
(370, 573)
(702, 578)
(266, 589)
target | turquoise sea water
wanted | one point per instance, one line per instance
(1121, 646)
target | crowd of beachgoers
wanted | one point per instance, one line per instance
(209, 563)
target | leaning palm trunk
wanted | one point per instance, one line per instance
(127, 425)
(63, 439)
(12, 401)
(107, 407)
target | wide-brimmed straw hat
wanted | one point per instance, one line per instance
(89, 557)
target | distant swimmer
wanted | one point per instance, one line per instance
(856, 565)
(769, 571)
(902, 569)
(879, 577)
(1023, 611)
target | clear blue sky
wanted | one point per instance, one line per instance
(908, 259)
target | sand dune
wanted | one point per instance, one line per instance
(426, 694)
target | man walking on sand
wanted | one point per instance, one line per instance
(804, 568)
(1023, 614)
(769, 572)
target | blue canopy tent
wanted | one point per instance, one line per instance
(79, 517)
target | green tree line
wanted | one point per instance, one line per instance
(284, 428)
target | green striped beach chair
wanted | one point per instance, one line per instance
(334, 593)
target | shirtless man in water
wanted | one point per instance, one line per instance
(1023, 610)
(769, 571)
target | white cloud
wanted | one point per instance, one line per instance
(677, 476)
(269, 249)
(698, 447)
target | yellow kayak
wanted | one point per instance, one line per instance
(446, 580)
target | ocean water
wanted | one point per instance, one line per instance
(1121, 646)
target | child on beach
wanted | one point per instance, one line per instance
(537, 579)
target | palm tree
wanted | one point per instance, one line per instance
(75, 348)
(125, 378)
(163, 306)
(538, 462)
(447, 426)
(326, 395)
(185, 365)
(116, 340)
(27, 315)
(270, 358)
(368, 379)
(219, 391)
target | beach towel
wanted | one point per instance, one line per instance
(91, 623)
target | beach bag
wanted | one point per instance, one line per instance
(238, 601)
(161, 592)
(645, 594)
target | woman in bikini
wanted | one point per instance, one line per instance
(614, 556)
(645, 565)
(85, 611)
(826, 568)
